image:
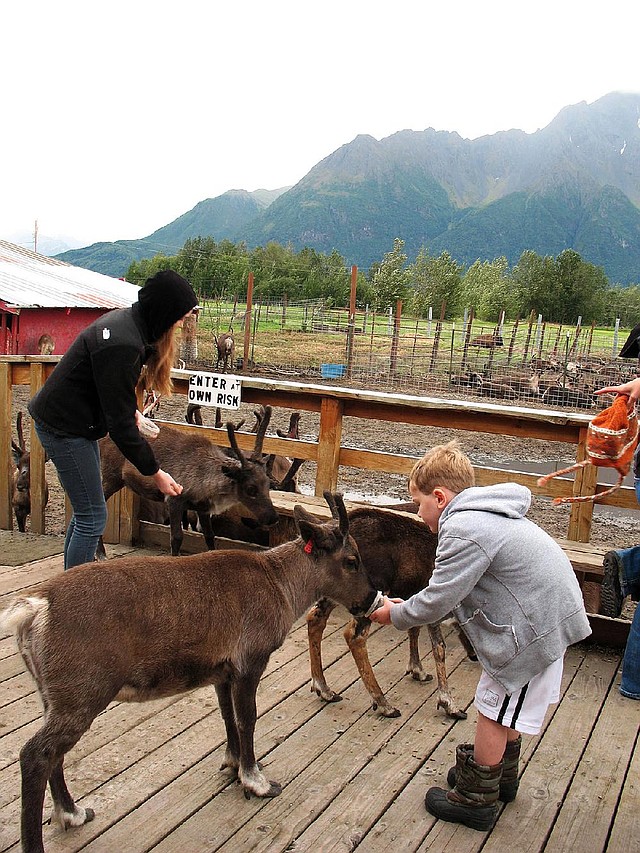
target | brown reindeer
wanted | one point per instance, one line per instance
(46, 344)
(398, 554)
(226, 349)
(139, 629)
(234, 522)
(213, 478)
(21, 482)
(487, 341)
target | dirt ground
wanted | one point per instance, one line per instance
(610, 529)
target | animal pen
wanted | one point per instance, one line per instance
(351, 780)
(526, 360)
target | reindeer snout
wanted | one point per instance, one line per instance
(372, 602)
(270, 518)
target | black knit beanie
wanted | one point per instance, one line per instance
(165, 298)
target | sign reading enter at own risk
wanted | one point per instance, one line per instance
(221, 390)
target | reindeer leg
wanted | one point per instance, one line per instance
(65, 811)
(176, 508)
(356, 634)
(445, 699)
(101, 553)
(243, 694)
(225, 703)
(41, 758)
(466, 643)
(21, 518)
(415, 668)
(206, 526)
(317, 619)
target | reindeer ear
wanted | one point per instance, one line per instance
(233, 472)
(315, 533)
(15, 452)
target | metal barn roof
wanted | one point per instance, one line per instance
(29, 280)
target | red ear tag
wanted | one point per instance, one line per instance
(308, 548)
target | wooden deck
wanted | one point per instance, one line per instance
(351, 780)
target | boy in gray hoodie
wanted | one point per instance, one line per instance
(515, 595)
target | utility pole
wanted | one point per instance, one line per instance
(35, 237)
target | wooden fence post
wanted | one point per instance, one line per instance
(329, 438)
(393, 361)
(37, 456)
(352, 319)
(247, 325)
(6, 467)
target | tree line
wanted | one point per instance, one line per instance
(560, 288)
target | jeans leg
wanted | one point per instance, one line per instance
(630, 684)
(77, 461)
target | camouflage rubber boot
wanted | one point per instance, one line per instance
(510, 767)
(474, 799)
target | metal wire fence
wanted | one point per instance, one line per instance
(523, 362)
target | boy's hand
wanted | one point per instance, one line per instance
(382, 614)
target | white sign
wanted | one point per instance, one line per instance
(221, 390)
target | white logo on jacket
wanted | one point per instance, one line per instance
(106, 334)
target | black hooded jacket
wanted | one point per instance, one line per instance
(92, 390)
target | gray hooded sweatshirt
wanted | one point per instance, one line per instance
(507, 582)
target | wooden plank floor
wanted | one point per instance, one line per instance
(351, 780)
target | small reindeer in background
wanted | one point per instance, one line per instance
(46, 344)
(21, 485)
(226, 347)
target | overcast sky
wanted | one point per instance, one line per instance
(119, 117)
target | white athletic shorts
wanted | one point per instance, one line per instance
(525, 709)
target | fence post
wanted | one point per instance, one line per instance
(396, 335)
(352, 319)
(37, 482)
(329, 438)
(6, 464)
(247, 324)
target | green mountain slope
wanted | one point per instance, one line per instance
(573, 184)
(221, 217)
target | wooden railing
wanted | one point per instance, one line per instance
(333, 404)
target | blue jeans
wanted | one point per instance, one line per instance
(77, 461)
(630, 584)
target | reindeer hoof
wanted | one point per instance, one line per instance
(89, 815)
(454, 713)
(274, 791)
(386, 710)
(419, 675)
(328, 695)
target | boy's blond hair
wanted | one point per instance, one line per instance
(444, 465)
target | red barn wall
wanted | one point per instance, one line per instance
(63, 324)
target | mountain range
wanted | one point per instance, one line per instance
(573, 184)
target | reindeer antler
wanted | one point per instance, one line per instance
(262, 429)
(19, 430)
(151, 399)
(234, 444)
(338, 511)
(286, 481)
(293, 432)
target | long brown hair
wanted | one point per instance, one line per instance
(156, 374)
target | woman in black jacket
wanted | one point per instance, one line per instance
(92, 393)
